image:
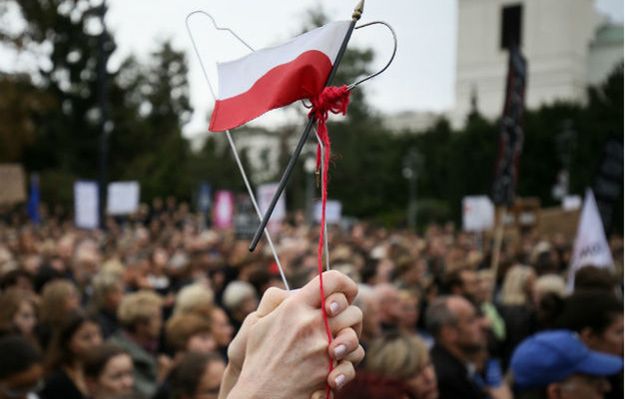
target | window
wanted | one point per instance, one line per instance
(511, 24)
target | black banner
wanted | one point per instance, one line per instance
(608, 182)
(511, 132)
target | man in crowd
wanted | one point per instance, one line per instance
(140, 317)
(557, 365)
(460, 342)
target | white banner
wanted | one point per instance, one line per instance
(264, 194)
(591, 246)
(122, 198)
(86, 204)
(478, 213)
(333, 211)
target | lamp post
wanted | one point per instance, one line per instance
(411, 164)
(105, 124)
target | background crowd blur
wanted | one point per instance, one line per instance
(148, 307)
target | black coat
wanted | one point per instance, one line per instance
(454, 380)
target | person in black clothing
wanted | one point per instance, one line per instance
(108, 292)
(21, 368)
(68, 350)
(459, 338)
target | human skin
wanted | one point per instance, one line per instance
(282, 349)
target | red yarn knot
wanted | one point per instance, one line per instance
(331, 99)
(335, 100)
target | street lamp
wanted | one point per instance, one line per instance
(411, 165)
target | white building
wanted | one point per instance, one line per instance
(568, 46)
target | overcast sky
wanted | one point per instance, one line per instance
(421, 78)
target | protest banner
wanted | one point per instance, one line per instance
(86, 203)
(478, 213)
(333, 211)
(223, 211)
(591, 246)
(13, 184)
(122, 198)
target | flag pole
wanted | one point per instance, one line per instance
(500, 217)
(304, 137)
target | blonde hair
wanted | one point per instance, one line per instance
(181, 327)
(551, 283)
(236, 293)
(514, 290)
(194, 298)
(104, 283)
(138, 307)
(397, 356)
(53, 298)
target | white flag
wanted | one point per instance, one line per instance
(591, 246)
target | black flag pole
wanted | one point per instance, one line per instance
(304, 137)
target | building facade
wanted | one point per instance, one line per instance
(567, 44)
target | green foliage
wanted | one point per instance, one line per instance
(53, 127)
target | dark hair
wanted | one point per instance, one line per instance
(549, 309)
(589, 309)
(98, 358)
(16, 355)
(186, 375)
(59, 352)
(10, 279)
(592, 277)
(453, 280)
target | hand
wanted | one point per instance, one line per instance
(281, 349)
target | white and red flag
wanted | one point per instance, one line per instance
(276, 76)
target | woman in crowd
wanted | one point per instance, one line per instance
(66, 355)
(196, 298)
(197, 376)
(58, 299)
(222, 330)
(397, 364)
(409, 309)
(18, 313)
(189, 333)
(109, 373)
(108, 291)
(140, 316)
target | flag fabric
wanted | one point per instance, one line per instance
(591, 246)
(33, 200)
(276, 76)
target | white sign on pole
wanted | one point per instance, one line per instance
(122, 198)
(264, 195)
(571, 202)
(334, 211)
(86, 204)
(591, 246)
(478, 213)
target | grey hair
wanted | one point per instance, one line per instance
(439, 315)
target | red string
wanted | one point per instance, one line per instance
(335, 100)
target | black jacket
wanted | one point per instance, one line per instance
(454, 380)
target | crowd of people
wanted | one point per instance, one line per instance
(148, 307)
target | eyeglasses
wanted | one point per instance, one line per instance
(20, 392)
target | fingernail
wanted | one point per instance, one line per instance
(340, 380)
(334, 308)
(339, 351)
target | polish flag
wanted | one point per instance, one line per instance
(276, 76)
